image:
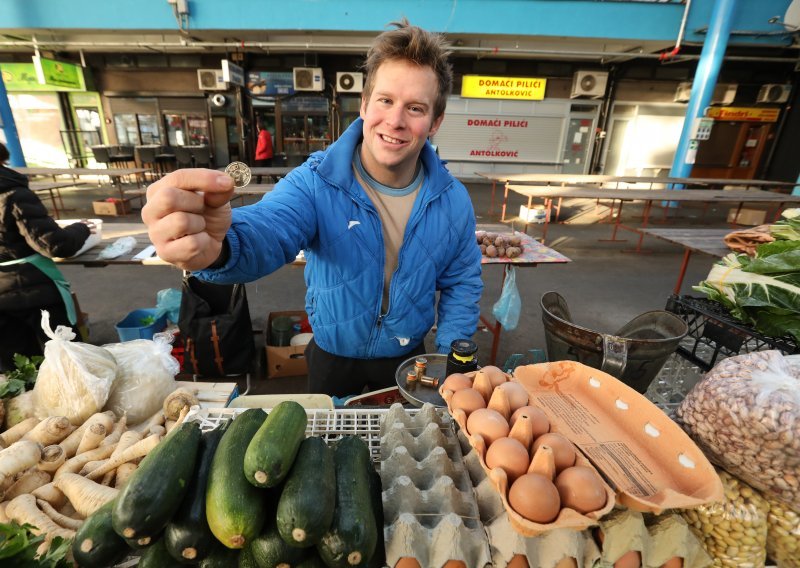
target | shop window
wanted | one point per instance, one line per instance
(186, 130)
(135, 129)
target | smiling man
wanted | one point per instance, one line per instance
(383, 224)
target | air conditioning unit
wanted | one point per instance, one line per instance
(211, 80)
(591, 84)
(724, 93)
(348, 82)
(774, 93)
(308, 79)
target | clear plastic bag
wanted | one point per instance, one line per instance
(122, 245)
(508, 307)
(783, 534)
(74, 378)
(169, 300)
(145, 376)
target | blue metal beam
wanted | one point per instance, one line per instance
(16, 157)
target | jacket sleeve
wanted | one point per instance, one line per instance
(460, 284)
(41, 232)
(268, 234)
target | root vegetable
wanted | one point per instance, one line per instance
(91, 466)
(116, 433)
(3, 517)
(18, 457)
(155, 420)
(157, 430)
(50, 494)
(92, 437)
(136, 451)
(53, 457)
(176, 400)
(63, 520)
(27, 483)
(85, 495)
(50, 430)
(23, 510)
(75, 464)
(70, 444)
(124, 473)
(127, 439)
(17, 432)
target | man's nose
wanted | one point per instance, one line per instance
(395, 117)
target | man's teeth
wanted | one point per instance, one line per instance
(391, 140)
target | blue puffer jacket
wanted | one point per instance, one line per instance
(321, 208)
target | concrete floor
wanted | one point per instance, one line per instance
(604, 286)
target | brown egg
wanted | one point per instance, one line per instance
(674, 562)
(632, 559)
(518, 561)
(535, 497)
(407, 562)
(468, 400)
(488, 423)
(541, 425)
(580, 488)
(563, 450)
(510, 455)
(454, 564)
(495, 374)
(517, 395)
(567, 562)
(455, 382)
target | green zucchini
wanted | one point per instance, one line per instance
(246, 558)
(376, 494)
(269, 550)
(220, 557)
(187, 536)
(96, 545)
(235, 509)
(353, 536)
(305, 508)
(156, 489)
(156, 556)
(272, 450)
(313, 561)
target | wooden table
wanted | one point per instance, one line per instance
(53, 189)
(251, 190)
(114, 174)
(706, 241)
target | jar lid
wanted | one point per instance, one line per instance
(463, 347)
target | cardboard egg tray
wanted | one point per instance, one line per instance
(430, 512)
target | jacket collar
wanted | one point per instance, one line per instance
(336, 163)
(9, 179)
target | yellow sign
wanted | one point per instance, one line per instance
(744, 114)
(519, 88)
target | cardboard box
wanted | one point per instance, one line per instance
(113, 208)
(287, 361)
(747, 216)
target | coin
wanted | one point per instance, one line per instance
(240, 172)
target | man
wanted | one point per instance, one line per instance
(383, 224)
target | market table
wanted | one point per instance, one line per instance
(54, 194)
(251, 190)
(706, 241)
(114, 174)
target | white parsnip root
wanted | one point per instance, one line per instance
(74, 464)
(50, 494)
(176, 400)
(116, 432)
(136, 451)
(124, 473)
(70, 444)
(27, 483)
(127, 439)
(50, 430)
(18, 457)
(85, 495)
(23, 509)
(17, 431)
(53, 457)
(62, 520)
(156, 419)
(92, 437)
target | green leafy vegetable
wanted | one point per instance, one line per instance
(23, 377)
(18, 547)
(147, 320)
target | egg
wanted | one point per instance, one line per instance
(489, 424)
(632, 559)
(468, 400)
(455, 382)
(407, 562)
(674, 562)
(535, 497)
(495, 374)
(518, 561)
(509, 455)
(454, 564)
(580, 488)
(541, 424)
(567, 562)
(563, 450)
(517, 395)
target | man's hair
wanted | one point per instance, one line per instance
(418, 46)
(4, 155)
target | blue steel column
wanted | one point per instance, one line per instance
(16, 158)
(705, 79)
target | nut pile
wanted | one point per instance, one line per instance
(498, 245)
(734, 532)
(745, 416)
(783, 535)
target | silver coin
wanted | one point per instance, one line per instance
(240, 172)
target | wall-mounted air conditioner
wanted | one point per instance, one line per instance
(349, 82)
(724, 93)
(211, 80)
(308, 79)
(774, 93)
(591, 84)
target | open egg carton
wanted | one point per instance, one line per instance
(430, 511)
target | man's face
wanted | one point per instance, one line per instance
(398, 118)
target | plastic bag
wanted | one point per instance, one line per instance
(169, 300)
(745, 416)
(145, 376)
(74, 378)
(783, 534)
(507, 309)
(122, 245)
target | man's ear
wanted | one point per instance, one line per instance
(363, 109)
(436, 124)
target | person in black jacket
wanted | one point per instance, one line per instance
(29, 279)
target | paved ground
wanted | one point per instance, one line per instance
(604, 286)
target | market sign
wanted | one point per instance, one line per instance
(58, 73)
(270, 83)
(232, 73)
(744, 114)
(517, 88)
(22, 77)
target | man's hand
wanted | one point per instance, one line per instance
(187, 215)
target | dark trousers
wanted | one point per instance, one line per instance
(21, 332)
(265, 163)
(341, 376)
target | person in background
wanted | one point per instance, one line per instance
(29, 279)
(263, 147)
(384, 226)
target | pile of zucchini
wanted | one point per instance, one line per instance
(252, 493)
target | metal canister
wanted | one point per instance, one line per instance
(463, 357)
(420, 366)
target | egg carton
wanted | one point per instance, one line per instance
(555, 548)
(429, 507)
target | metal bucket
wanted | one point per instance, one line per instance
(634, 354)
